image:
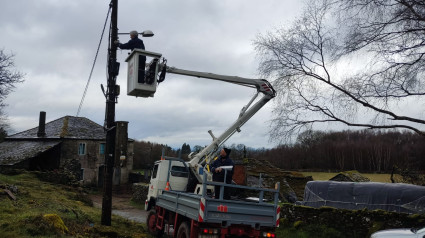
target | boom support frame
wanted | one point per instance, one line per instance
(263, 86)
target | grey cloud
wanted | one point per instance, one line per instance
(55, 43)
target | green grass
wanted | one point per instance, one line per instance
(140, 171)
(384, 178)
(35, 198)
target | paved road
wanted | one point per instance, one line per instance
(121, 207)
(136, 215)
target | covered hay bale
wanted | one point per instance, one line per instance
(350, 176)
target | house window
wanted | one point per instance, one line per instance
(82, 149)
(102, 148)
(81, 174)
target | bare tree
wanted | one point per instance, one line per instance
(8, 78)
(349, 62)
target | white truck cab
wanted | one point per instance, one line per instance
(174, 171)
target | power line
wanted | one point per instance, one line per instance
(94, 63)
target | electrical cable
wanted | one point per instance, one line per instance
(94, 63)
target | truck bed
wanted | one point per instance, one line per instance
(203, 208)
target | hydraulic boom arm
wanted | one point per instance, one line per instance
(263, 86)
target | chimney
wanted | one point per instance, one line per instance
(42, 125)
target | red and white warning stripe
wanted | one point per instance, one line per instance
(201, 210)
(277, 216)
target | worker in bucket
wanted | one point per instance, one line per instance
(218, 167)
(135, 43)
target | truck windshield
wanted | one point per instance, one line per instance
(155, 171)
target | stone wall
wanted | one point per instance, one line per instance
(353, 223)
(90, 161)
(93, 160)
(140, 192)
(124, 150)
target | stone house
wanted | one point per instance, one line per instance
(65, 141)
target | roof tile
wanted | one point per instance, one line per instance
(67, 127)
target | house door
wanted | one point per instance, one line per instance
(101, 175)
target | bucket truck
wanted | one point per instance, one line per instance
(180, 193)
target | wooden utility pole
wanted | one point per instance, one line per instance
(111, 96)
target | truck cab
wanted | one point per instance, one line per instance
(173, 171)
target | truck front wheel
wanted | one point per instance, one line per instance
(183, 231)
(151, 224)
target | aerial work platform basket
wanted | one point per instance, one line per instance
(142, 79)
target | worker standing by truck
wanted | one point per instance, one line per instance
(219, 173)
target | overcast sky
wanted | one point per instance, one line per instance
(55, 43)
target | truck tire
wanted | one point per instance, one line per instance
(151, 224)
(183, 231)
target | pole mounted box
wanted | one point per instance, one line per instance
(146, 86)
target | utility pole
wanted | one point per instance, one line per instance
(111, 96)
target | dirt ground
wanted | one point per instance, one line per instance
(121, 206)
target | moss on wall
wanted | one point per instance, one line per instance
(352, 223)
(64, 131)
